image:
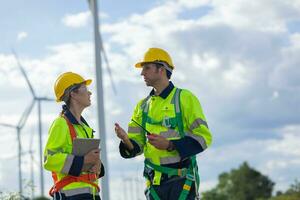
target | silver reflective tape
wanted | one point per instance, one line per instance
(134, 129)
(170, 133)
(177, 106)
(169, 160)
(197, 122)
(146, 107)
(77, 191)
(198, 138)
(68, 164)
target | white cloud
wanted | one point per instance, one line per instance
(289, 144)
(77, 20)
(286, 74)
(239, 59)
(80, 19)
(194, 3)
(22, 35)
(253, 15)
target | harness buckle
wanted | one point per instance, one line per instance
(190, 177)
(166, 122)
(182, 172)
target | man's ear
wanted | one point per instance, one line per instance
(162, 70)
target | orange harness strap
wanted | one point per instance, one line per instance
(86, 178)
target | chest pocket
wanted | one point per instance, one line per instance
(168, 117)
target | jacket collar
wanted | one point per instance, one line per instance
(71, 117)
(165, 93)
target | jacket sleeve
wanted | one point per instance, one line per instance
(135, 134)
(102, 173)
(197, 135)
(57, 153)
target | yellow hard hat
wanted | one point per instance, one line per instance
(156, 55)
(66, 80)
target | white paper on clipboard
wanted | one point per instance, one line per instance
(82, 146)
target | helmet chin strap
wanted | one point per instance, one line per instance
(166, 66)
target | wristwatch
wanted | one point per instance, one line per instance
(171, 146)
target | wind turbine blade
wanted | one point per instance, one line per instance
(31, 141)
(89, 2)
(46, 99)
(7, 125)
(25, 114)
(24, 74)
(108, 66)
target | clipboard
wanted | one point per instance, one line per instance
(82, 146)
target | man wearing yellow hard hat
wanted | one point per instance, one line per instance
(169, 128)
(75, 177)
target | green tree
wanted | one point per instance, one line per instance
(244, 183)
(293, 193)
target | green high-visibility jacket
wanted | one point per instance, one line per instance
(58, 155)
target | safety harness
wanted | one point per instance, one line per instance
(86, 178)
(190, 173)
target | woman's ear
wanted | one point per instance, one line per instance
(72, 94)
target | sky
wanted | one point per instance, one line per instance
(240, 58)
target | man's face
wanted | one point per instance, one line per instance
(152, 74)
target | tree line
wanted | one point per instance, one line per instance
(246, 183)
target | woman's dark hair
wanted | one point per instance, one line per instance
(67, 94)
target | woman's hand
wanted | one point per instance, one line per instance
(91, 159)
(92, 156)
(96, 169)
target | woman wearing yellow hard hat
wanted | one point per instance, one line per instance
(75, 177)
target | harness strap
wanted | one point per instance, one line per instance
(86, 178)
(190, 173)
(71, 129)
(166, 170)
(153, 194)
(186, 189)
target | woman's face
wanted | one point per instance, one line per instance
(82, 96)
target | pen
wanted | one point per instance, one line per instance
(148, 133)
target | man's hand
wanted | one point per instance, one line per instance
(121, 133)
(158, 141)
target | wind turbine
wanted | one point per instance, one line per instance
(39, 101)
(18, 128)
(100, 102)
